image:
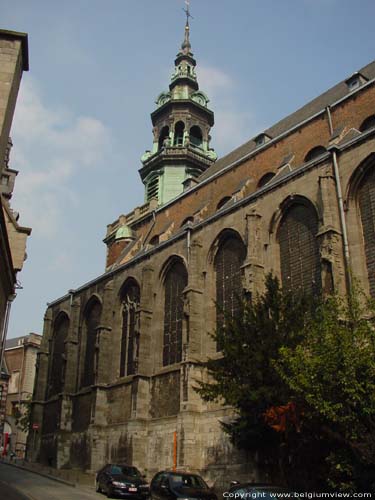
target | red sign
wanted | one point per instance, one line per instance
(35, 427)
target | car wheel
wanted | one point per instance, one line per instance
(97, 487)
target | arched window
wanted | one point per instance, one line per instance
(315, 153)
(175, 282)
(368, 123)
(57, 369)
(299, 251)
(179, 134)
(196, 138)
(223, 202)
(228, 261)
(130, 296)
(91, 322)
(265, 179)
(366, 202)
(164, 134)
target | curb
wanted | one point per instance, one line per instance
(43, 474)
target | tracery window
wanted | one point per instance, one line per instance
(299, 251)
(175, 282)
(366, 201)
(130, 298)
(57, 369)
(91, 322)
(228, 261)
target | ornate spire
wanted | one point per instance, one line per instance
(186, 46)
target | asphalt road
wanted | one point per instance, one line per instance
(19, 484)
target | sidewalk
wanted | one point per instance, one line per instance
(70, 477)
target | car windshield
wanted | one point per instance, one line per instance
(187, 481)
(125, 470)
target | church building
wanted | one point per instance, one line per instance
(121, 354)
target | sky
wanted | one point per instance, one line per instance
(82, 119)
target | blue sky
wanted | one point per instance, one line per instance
(83, 115)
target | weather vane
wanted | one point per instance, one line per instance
(187, 11)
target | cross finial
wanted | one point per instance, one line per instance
(186, 43)
(187, 11)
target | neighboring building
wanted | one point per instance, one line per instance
(20, 359)
(13, 61)
(120, 355)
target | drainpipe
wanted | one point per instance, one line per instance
(188, 242)
(341, 208)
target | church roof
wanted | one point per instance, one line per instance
(315, 106)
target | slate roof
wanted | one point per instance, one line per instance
(332, 95)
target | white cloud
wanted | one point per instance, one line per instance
(51, 147)
(233, 126)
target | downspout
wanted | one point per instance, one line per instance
(188, 242)
(341, 208)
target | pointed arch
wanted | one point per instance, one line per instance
(130, 295)
(299, 249)
(366, 205)
(175, 280)
(228, 259)
(58, 359)
(91, 321)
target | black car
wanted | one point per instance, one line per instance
(168, 485)
(121, 480)
(246, 491)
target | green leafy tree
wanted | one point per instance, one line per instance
(331, 374)
(300, 373)
(245, 377)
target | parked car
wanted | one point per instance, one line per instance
(167, 485)
(249, 490)
(121, 480)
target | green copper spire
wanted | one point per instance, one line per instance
(181, 128)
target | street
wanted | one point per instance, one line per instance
(19, 484)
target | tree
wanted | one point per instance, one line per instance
(331, 374)
(299, 373)
(245, 377)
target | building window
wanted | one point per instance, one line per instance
(179, 134)
(175, 283)
(4, 180)
(223, 202)
(130, 297)
(366, 202)
(164, 134)
(196, 138)
(91, 323)
(265, 179)
(57, 368)
(228, 262)
(368, 123)
(153, 188)
(315, 153)
(299, 251)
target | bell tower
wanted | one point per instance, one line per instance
(181, 127)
